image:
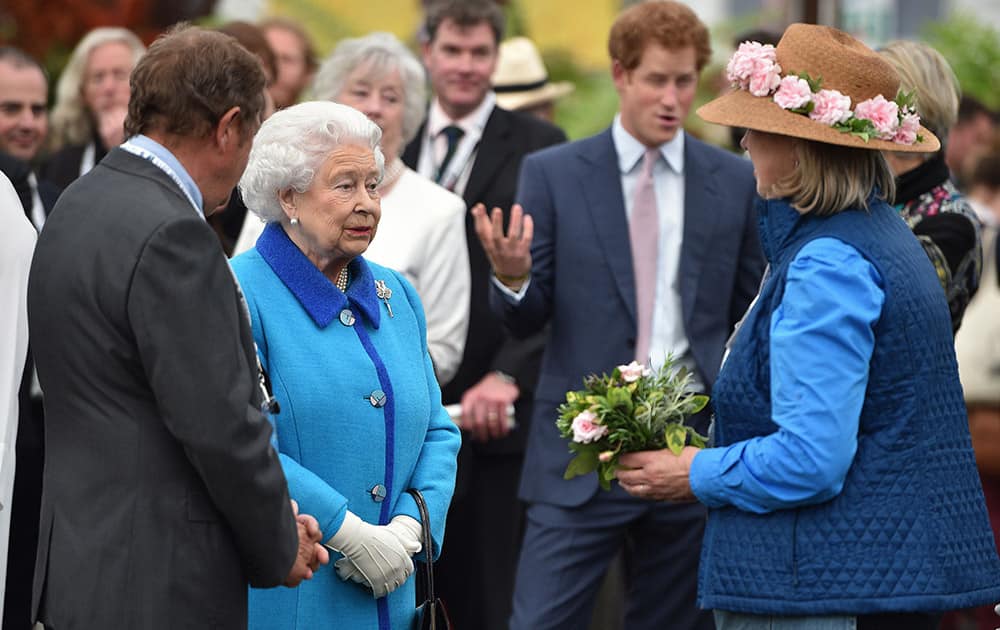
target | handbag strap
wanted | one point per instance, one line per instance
(428, 542)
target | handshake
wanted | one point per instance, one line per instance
(377, 556)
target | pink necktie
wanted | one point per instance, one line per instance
(644, 233)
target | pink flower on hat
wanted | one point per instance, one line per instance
(909, 127)
(830, 107)
(754, 67)
(586, 427)
(883, 114)
(793, 93)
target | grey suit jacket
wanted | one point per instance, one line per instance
(162, 495)
(582, 280)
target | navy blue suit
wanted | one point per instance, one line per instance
(582, 284)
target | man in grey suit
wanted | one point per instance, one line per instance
(163, 497)
(641, 242)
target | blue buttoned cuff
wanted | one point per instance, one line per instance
(706, 476)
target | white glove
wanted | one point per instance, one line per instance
(406, 529)
(374, 552)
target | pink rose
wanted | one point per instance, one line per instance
(830, 107)
(633, 371)
(909, 127)
(754, 67)
(883, 114)
(793, 93)
(606, 456)
(586, 427)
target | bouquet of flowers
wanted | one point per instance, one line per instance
(633, 409)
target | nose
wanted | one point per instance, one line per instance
(743, 140)
(372, 106)
(669, 96)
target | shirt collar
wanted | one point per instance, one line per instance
(320, 298)
(474, 120)
(630, 150)
(164, 154)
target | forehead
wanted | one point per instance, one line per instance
(658, 58)
(21, 80)
(376, 74)
(471, 35)
(110, 54)
(350, 157)
(286, 40)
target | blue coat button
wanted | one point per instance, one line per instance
(378, 493)
(377, 398)
(347, 317)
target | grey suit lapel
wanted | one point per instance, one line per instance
(601, 183)
(701, 201)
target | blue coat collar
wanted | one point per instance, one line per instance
(314, 291)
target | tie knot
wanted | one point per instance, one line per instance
(453, 133)
(649, 159)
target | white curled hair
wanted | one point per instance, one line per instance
(381, 53)
(293, 144)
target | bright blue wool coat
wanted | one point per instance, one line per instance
(909, 530)
(335, 444)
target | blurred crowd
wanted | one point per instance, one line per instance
(454, 123)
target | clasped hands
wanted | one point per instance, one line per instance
(311, 553)
(657, 475)
(377, 556)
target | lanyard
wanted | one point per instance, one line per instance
(163, 166)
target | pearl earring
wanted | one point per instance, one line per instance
(294, 221)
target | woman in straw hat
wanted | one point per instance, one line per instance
(842, 487)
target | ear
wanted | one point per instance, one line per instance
(618, 74)
(286, 198)
(425, 51)
(227, 131)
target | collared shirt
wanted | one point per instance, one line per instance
(668, 336)
(166, 162)
(435, 144)
(818, 384)
(37, 207)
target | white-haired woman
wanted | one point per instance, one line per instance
(91, 102)
(344, 343)
(422, 231)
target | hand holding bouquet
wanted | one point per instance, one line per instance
(633, 409)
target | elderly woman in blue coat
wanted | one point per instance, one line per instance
(344, 343)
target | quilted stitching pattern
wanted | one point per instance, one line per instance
(909, 531)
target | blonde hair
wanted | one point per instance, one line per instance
(832, 178)
(925, 71)
(70, 122)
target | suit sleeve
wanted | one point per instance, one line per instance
(750, 262)
(185, 314)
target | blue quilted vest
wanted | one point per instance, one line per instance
(909, 531)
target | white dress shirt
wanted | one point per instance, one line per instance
(422, 235)
(435, 145)
(17, 241)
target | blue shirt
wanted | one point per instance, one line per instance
(821, 344)
(171, 166)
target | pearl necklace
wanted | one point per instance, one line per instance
(342, 280)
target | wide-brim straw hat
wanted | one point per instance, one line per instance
(521, 80)
(842, 63)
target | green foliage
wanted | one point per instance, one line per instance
(637, 413)
(972, 47)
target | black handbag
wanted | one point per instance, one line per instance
(431, 614)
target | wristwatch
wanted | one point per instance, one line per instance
(506, 378)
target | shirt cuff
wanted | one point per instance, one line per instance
(705, 477)
(512, 296)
